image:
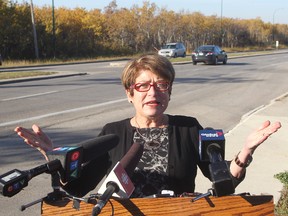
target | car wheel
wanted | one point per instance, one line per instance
(194, 63)
(215, 61)
(184, 54)
(225, 60)
(175, 55)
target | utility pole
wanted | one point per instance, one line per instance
(221, 27)
(53, 29)
(34, 31)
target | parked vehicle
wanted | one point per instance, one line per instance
(173, 50)
(209, 54)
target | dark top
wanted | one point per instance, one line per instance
(183, 156)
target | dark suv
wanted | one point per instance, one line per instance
(209, 54)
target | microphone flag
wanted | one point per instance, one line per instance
(208, 137)
(121, 178)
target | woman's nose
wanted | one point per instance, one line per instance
(152, 89)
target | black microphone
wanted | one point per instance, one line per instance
(215, 152)
(73, 158)
(118, 181)
(111, 187)
(98, 146)
(212, 149)
(66, 161)
(15, 180)
(210, 136)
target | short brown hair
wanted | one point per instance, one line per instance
(155, 63)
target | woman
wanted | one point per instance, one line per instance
(170, 157)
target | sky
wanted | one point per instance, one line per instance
(273, 11)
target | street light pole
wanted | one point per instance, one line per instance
(221, 23)
(53, 30)
(34, 31)
(221, 13)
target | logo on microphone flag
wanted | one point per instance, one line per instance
(124, 179)
(120, 177)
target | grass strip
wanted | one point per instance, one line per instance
(23, 74)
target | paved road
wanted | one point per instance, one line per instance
(228, 89)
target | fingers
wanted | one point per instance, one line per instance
(35, 138)
(277, 125)
(36, 129)
(264, 125)
(30, 137)
(46, 140)
(261, 134)
(271, 128)
(22, 132)
(266, 130)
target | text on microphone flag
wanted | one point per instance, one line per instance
(208, 134)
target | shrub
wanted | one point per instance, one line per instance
(282, 206)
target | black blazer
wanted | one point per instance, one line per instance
(183, 156)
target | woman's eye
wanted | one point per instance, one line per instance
(163, 85)
(144, 85)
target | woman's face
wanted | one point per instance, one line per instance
(152, 103)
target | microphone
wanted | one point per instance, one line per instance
(15, 180)
(65, 160)
(212, 149)
(132, 158)
(118, 181)
(98, 146)
(210, 136)
(72, 158)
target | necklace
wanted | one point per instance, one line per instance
(149, 137)
(163, 124)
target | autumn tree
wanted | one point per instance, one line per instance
(16, 34)
(82, 33)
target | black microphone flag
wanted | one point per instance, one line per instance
(71, 160)
(208, 137)
(212, 149)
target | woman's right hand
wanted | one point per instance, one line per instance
(36, 138)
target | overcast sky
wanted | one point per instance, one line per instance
(267, 10)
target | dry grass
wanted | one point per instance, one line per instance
(22, 74)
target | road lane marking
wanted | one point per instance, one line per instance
(28, 96)
(61, 112)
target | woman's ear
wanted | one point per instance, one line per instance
(129, 97)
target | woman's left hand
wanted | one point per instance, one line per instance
(261, 134)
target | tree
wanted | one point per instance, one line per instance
(121, 31)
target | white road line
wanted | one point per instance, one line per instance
(28, 96)
(59, 113)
